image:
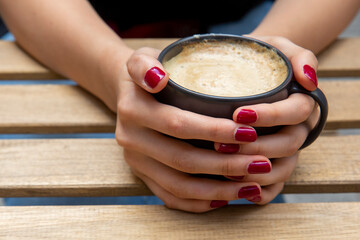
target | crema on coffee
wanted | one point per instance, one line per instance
(227, 69)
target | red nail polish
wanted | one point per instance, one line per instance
(310, 74)
(228, 148)
(218, 203)
(153, 76)
(245, 134)
(249, 191)
(246, 116)
(257, 167)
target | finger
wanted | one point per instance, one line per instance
(147, 71)
(172, 202)
(304, 65)
(187, 158)
(268, 193)
(186, 186)
(284, 143)
(147, 112)
(282, 168)
(293, 110)
(303, 62)
(188, 125)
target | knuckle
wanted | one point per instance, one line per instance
(226, 167)
(125, 107)
(183, 162)
(285, 176)
(221, 193)
(216, 129)
(177, 190)
(230, 166)
(309, 54)
(186, 188)
(274, 114)
(279, 41)
(131, 64)
(293, 146)
(306, 108)
(175, 125)
(256, 148)
(136, 57)
(122, 138)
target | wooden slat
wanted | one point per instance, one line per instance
(95, 167)
(66, 109)
(340, 59)
(275, 221)
(344, 99)
(65, 167)
(331, 164)
(52, 108)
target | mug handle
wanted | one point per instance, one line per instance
(320, 98)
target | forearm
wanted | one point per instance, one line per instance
(69, 37)
(308, 23)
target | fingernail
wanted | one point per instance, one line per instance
(236, 177)
(310, 74)
(228, 148)
(255, 199)
(246, 116)
(249, 191)
(218, 203)
(257, 167)
(153, 76)
(245, 134)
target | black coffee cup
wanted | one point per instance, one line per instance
(223, 107)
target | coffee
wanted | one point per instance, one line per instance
(227, 68)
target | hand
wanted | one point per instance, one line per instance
(166, 164)
(299, 113)
(163, 163)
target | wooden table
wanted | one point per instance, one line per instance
(95, 167)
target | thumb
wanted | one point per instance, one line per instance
(146, 71)
(304, 65)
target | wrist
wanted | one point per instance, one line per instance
(112, 71)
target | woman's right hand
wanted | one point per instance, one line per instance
(166, 164)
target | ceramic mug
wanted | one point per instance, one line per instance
(223, 107)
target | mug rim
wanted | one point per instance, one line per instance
(216, 36)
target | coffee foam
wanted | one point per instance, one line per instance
(230, 69)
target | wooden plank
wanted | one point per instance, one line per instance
(340, 59)
(68, 109)
(274, 221)
(52, 108)
(65, 167)
(343, 99)
(331, 164)
(95, 167)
